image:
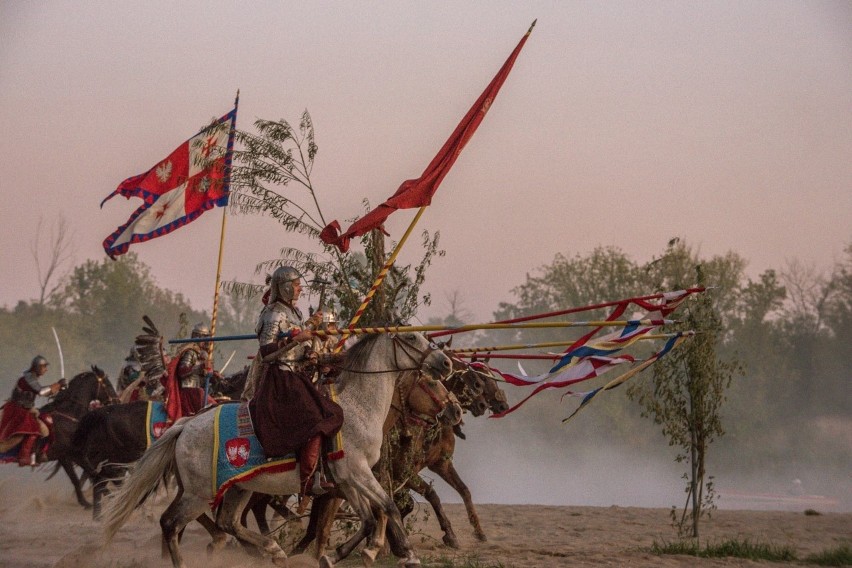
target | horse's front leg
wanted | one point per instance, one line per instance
(416, 484)
(219, 536)
(68, 466)
(448, 473)
(228, 519)
(368, 523)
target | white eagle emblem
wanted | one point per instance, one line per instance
(164, 171)
(237, 451)
(203, 185)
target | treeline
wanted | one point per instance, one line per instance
(790, 410)
(97, 312)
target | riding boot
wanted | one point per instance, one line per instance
(25, 453)
(308, 458)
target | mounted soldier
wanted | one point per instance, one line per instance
(186, 377)
(20, 421)
(288, 412)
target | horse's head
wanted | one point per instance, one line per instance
(422, 355)
(85, 391)
(426, 400)
(102, 391)
(476, 389)
(494, 395)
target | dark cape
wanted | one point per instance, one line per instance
(287, 410)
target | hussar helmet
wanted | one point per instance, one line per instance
(281, 285)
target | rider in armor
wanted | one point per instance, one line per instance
(288, 412)
(20, 422)
(130, 372)
(188, 371)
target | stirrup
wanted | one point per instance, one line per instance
(317, 488)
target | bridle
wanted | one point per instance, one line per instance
(411, 351)
(101, 385)
(414, 418)
(97, 398)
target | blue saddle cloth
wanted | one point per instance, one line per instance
(156, 421)
(238, 455)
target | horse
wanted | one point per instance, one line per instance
(434, 450)
(418, 400)
(414, 447)
(85, 391)
(366, 388)
(111, 437)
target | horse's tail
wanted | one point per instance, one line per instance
(153, 467)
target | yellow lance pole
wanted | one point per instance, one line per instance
(379, 279)
(218, 278)
(476, 326)
(460, 328)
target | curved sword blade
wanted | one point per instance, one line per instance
(61, 358)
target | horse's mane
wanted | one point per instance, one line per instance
(358, 355)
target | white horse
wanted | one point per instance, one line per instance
(366, 390)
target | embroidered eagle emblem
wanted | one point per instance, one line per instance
(237, 451)
(164, 171)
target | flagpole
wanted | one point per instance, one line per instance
(218, 278)
(379, 279)
(222, 238)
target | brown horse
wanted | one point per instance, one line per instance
(417, 397)
(411, 446)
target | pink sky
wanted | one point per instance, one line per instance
(623, 123)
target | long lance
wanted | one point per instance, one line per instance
(567, 311)
(434, 173)
(460, 328)
(482, 350)
(379, 279)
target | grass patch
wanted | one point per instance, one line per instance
(461, 561)
(728, 548)
(840, 556)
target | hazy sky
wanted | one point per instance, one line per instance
(622, 123)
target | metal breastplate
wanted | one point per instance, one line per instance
(275, 319)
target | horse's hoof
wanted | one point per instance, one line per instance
(325, 562)
(412, 562)
(481, 537)
(451, 541)
(368, 557)
(280, 560)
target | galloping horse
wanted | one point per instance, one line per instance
(366, 389)
(431, 445)
(418, 399)
(111, 437)
(85, 391)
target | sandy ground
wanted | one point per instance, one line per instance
(41, 525)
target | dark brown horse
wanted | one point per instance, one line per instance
(84, 392)
(112, 437)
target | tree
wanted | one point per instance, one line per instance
(59, 252)
(279, 156)
(685, 396)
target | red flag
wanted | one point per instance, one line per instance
(176, 191)
(418, 192)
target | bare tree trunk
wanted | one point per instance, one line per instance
(60, 251)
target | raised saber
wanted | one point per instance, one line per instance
(228, 362)
(61, 358)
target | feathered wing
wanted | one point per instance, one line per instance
(149, 349)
